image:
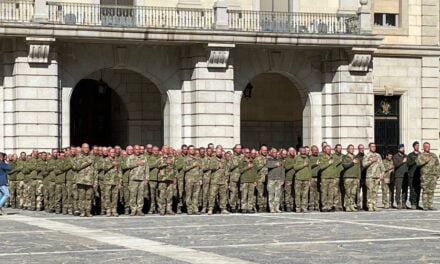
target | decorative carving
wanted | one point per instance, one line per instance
(39, 49)
(218, 55)
(385, 107)
(360, 62)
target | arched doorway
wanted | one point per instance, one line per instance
(273, 114)
(116, 107)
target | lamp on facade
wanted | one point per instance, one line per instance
(247, 93)
(102, 86)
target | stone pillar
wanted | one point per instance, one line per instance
(208, 96)
(221, 15)
(430, 101)
(347, 99)
(173, 119)
(365, 17)
(41, 11)
(430, 22)
(31, 97)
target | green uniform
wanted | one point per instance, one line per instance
(234, 181)
(70, 194)
(21, 185)
(152, 192)
(303, 175)
(35, 195)
(179, 164)
(62, 165)
(338, 191)
(429, 172)
(13, 184)
(352, 177)
(219, 183)
(329, 173)
(375, 170)
(385, 182)
(99, 170)
(204, 194)
(248, 178)
(288, 183)
(260, 163)
(49, 185)
(125, 193)
(167, 180)
(314, 184)
(86, 180)
(275, 179)
(111, 182)
(138, 175)
(193, 178)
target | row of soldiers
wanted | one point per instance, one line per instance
(138, 180)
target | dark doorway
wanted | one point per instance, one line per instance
(386, 123)
(91, 110)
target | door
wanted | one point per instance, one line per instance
(386, 123)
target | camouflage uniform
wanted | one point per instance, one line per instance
(21, 186)
(385, 182)
(429, 175)
(352, 177)
(153, 164)
(204, 194)
(275, 179)
(110, 184)
(125, 193)
(193, 177)
(13, 184)
(329, 173)
(70, 194)
(219, 183)
(167, 180)
(99, 167)
(314, 184)
(303, 175)
(247, 184)
(339, 190)
(260, 163)
(288, 184)
(33, 170)
(234, 181)
(86, 181)
(138, 174)
(49, 185)
(179, 164)
(375, 170)
(62, 166)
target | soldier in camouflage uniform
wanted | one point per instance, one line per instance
(111, 182)
(247, 180)
(219, 181)
(204, 194)
(429, 171)
(139, 175)
(288, 184)
(86, 180)
(125, 179)
(99, 170)
(351, 176)
(153, 163)
(193, 180)
(13, 183)
(375, 171)
(328, 172)
(179, 164)
(386, 181)
(167, 181)
(314, 182)
(32, 170)
(303, 175)
(70, 198)
(61, 168)
(234, 178)
(21, 184)
(275, 179)
(339, 184)
(260, 163)
(49, 182)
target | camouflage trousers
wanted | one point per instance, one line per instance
(337, 193)
(314, 194)
(351, 186)
(13, 187)
(153, 187)
(327, 193)
(220, 192)
(126, 193)
(180, 190)
(302, 194)
(35, 194)
(261, 195)
(49, 195)
(288, 200)
(233, 194)
(110, 194)
(204, 194)
(372, 190)
(58, 196)
(385, 193)
(136, 195)
(68, 197)
(274, 189)
(247, 190)
(85, 197)
(428, 184)
(21, 194)
(165, 196)
(192, 190)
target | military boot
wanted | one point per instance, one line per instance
(109, 213)
(88, 214)
(83, 214)
(413, 207)
(179, 209)
(170, 212)
(127, 211)
(133, 213)
(58, 211)
(139, 213)
(399, 206)
(114, 212)
(224, 211)
(210, 212)
(65, 211)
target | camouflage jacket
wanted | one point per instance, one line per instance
(327, 166)
(428, 167)
(262, 170)
(153, 164)
(301, 164)
(389, 167)
(167, 170)
(137, 172)
(32, 168)
(99, 167)
(351, 169)
(19, 166)
(234, 167)
(314, 165)
(112, 173)
(179, 164)
(337, 158)
(85, 171)
(70, 173)
(289, 167)
(248, 174)
(218, 170)
(206, 170)
(375, 169)
(192, 169)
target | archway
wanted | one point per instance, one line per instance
(116, 107)
(273, 114)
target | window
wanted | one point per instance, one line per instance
(386, 20)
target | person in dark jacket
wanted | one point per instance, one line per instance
(401, 177)
(4, 190)
(414, 176)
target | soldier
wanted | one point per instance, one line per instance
(248, 178)
(414, 176)
(329, 173)
(260, 163)
(205, 155)
(33, 168)
(49, 181)
(288, 184)
(361, 200)
(167, 181)
(21, 183)
(219, 182)
(99, 167)
(86, 180)
(275, 179)
(401, 177)
(148, 150)
(303, 175)
(70, 196)
(314, 182)
(111, 182)
(139, 175)
(386, 181)
(339, 184)
(62, 166)
(429, 171)
(193, 180)
(375, 171)
(234, 177)
(125, 193)
(352, 177)
(179, 164)
(153, 163)
(13, 183)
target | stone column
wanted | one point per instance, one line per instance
(41, 11)
(173, 119)
(365, 17)
(208, 96)
(348, 100)
(430, 22)
(31, 97)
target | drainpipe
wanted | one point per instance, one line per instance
(60, 115)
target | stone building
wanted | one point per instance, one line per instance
(284, 72)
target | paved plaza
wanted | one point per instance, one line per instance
(391, 236)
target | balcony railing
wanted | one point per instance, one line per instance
(313, 23)
(130, 16)
(84, 14)
(16, 11)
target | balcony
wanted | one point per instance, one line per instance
(147, 17)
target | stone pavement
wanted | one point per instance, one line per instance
(389, 236)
